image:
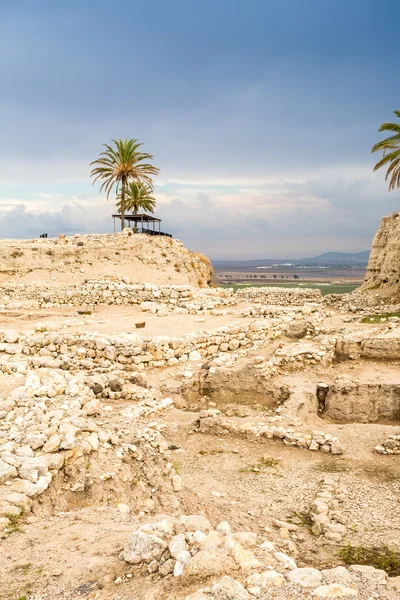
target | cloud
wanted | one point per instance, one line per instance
(70, 219)
(283, 218)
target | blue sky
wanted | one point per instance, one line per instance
(260, 114)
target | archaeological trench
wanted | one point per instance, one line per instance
(163, 439)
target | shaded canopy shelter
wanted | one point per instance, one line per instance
(143, 223)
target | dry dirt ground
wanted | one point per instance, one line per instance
(118, 319)
(74, 554)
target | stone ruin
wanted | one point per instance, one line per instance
(87, 418)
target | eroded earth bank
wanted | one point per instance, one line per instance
(163, 440)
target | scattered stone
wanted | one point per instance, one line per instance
(306, 577)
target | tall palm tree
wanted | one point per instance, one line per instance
(138, 197)
(392, 145)
(119, 164)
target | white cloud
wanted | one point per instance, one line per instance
(71, 218)
(285, 218)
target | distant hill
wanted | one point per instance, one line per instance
(338, 258)
(328, 258)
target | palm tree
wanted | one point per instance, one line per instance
(119, 164)
(138, 197)
(392, 144)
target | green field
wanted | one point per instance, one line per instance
(330, 288)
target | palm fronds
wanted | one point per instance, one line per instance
(138, 197)
(121, 163)
(391, 153)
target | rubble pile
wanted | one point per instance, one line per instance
(50, 422)
(211, 420)
(296, 355)
(248, 566)
(389, 446)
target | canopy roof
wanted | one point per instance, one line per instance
(136, 218)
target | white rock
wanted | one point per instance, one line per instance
(265, 579)
(143, 547)
(177, 544)
(181, 561)
(268, 546)
(198, 537)
(337, 574)
(176, 481)
(195, 523)
(248, 539)
(11, 336)
(368, 573)
(334, 590)
(306, 577)
(199, 595)
(224, 528)
(229, 589)
(285, 560)
(6, 471)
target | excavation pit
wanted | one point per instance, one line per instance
(240, 386)
(363, 403)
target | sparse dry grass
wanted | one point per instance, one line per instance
(15, 523)
(383, 557)
(264, 462)
(203, 258)
(177, 467)
(332, 465)
(301, 518)
(379, 318)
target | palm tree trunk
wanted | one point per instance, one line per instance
(135, 212)
(123, 190)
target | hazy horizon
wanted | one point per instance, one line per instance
(261, 117)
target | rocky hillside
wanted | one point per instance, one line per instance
(383, 273)
(74, 259)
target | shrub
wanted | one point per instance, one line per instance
(203, 258)
(382, 557)
(16, 254)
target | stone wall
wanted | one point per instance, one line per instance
(277, 295)
(131, 351)
(118, 292)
